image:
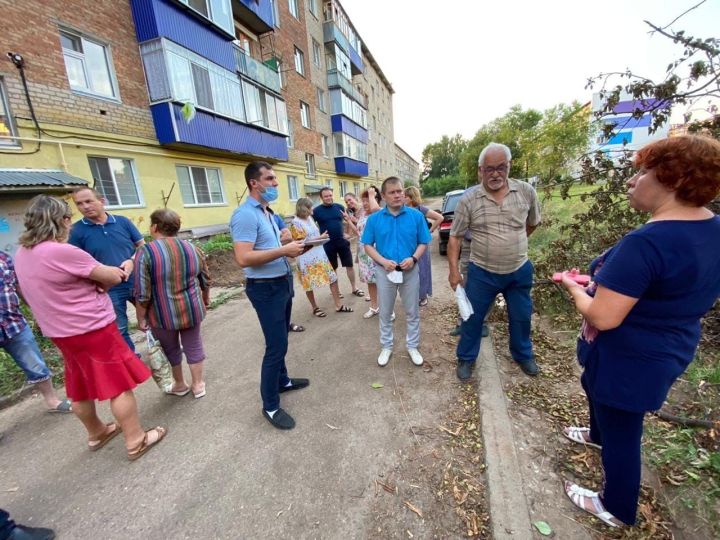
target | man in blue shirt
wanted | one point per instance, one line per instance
(330, 218)
(261, 252)
(112, 240)
(395, 238)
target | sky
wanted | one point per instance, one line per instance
(458, 64)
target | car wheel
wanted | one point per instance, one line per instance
(443, 248)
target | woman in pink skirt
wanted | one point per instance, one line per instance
(66, 290)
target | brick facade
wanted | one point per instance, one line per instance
(106, 21)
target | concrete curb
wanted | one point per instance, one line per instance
(509, 513)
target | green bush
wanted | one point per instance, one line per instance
(221, 242)
(440, 186)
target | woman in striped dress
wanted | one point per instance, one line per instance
(172, 289)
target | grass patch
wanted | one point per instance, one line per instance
(221, 242)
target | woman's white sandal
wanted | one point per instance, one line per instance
(578, 495)
(577, 435)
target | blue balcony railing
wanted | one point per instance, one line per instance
(337, 79)
(257, 71)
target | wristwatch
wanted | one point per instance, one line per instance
(414, 259)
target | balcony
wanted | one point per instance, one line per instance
(257, 71)
(209, 131)
(350, 167)
(341, 123)
(338, 80)
(332, 33)
(257, 15)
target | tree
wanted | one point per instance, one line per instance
(442, 158)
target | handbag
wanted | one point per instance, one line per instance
(154, 358)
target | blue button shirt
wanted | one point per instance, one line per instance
(249, 223)
(396, 237)
(110, 243)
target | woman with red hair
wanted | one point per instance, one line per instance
(642, 312)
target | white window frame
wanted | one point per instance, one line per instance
(321, 101)
(325, 140)
(313, 7)
(293, 187)
(275, 12)
(356, 188)
(299, 58)
(212, 16)
(305, 115)
(293, 8)
(194, 191)
(310, 170)
(88, 88)
(316, 53)
(136, 183)
(9, 122)
(290, 138)
(343, 188)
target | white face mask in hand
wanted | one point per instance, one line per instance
(395, 276)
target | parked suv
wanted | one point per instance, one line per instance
(448, 211)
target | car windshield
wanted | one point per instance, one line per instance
(451, 202)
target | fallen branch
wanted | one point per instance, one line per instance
(688, 422)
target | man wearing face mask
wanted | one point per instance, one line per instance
(260, 251)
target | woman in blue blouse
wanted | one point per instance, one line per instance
(642, 312)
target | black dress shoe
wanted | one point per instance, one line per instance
(295, 384)
(464, 370)
(21, 532)
(280, 419)
(530, 368)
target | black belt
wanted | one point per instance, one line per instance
(266, 280)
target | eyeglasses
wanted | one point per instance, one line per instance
(490, 170)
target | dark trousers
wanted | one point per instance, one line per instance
(620, 433)
(272, 300)
(6, 525)
(482, 287)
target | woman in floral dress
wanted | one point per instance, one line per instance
(313, 267)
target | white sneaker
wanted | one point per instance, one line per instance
(415, 356)
(384, 357)
(370, 313)
(392, 317)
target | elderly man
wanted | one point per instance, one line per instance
(112, 240)
(261, 250)
(500, 214)
(395, 238)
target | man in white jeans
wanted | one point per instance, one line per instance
(395, 238)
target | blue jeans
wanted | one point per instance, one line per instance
(25, 351)
(120, 295)
(6, 525)
(482, 287)
(272, 300)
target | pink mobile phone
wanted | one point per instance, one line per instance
(580, 279)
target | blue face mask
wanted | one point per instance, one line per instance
(269, 195)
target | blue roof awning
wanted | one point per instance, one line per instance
(38, 179)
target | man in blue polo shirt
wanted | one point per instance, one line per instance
(261, 253)
(395, 238)
(112, 240)
(330, 217)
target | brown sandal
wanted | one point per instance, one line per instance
(106, 437)
(144, 445)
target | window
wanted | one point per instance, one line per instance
(174, 73)
(290, 134)
(321, 99)
(356, 188)
(343, 188)
(325, 145)
(305, 114)
(200, 185)
(345, 145)
(88, 65)
(299, 62)
(293, 187)
(7, 127)
(294, 11)
(276, 13)
(328, 183)
(219, 12)
(313, 7)
(310, 165)
(316, 53)
(115, 179)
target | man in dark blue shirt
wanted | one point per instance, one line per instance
(111, 240)
(331, 218)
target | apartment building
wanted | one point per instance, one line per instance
(406, 168)
(164, 102)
